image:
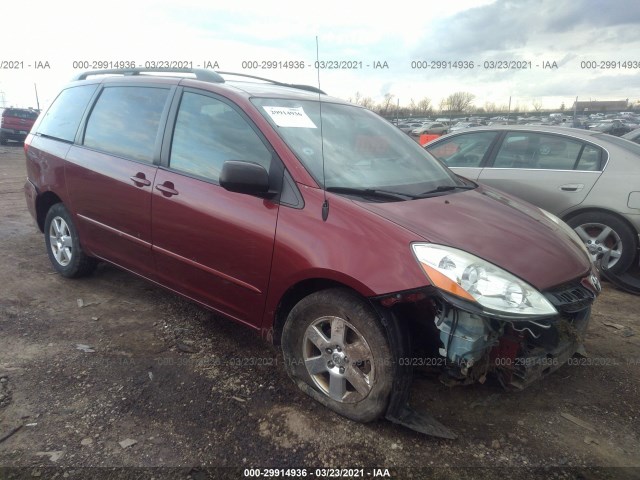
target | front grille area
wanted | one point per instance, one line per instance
(570, 297)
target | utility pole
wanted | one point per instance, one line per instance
(37, 101)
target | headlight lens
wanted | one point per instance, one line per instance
(471, 278)
(568, 230)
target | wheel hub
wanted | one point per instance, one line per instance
(339, 359)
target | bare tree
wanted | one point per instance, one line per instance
(367, 102)
(562, 107)
(459, 102)
(386, 103)
(424, 106)
(490, 107)
(537, 105)
(355, 99)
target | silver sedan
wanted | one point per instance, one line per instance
(589, 179)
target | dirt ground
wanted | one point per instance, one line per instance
(110, 375)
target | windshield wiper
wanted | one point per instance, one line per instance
(445, 188)
(372, 192)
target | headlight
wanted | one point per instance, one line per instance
(568, 230)
(476, 280)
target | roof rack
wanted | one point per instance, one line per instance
(308, 88)
(200, 73)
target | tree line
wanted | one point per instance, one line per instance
(455, 104)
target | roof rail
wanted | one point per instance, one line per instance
(308, 88)
(200, 73)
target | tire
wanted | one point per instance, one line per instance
(602, 232)
(63, 244)
(321, 361)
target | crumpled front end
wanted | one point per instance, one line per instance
(466, 345)
(517, 352)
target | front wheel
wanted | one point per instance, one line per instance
(63, 244)
(336, 351)
(602, 233)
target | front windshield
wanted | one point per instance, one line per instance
(361, 150)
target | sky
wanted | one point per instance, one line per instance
(592, 47)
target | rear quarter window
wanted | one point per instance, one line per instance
(65, 113)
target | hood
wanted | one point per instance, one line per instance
(497, 227)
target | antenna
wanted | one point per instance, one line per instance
(325, 204)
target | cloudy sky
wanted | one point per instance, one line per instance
(589, 41)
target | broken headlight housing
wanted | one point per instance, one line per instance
(471, 278)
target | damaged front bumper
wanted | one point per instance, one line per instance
(475, 345)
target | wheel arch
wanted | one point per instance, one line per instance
(294, 294)
(43, 203)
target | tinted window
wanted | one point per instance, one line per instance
(63, 116)
(125, 121)
(539, 151)
(209, 132)
(463, 150)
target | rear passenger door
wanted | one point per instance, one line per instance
(554, 172)
(210, 244)
(111, 171)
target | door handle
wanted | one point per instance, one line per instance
(572, 187)
(140, 180)
(167, 189)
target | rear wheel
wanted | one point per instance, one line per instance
(63, 244)
(336, 351)
(602, 233)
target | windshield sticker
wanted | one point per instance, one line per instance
(290, 117)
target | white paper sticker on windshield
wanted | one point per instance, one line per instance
(290, 117)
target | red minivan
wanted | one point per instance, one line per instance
(314, 222)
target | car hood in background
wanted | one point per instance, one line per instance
(497, 227)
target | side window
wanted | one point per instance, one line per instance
(125, 121)
(463, 150)
(590, 159)
(63, 116)
(538, 151)
(209, 132)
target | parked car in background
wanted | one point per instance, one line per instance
(430, 128)
(633, 135)
(408, 127)
(463, 125)
(15, 124)
(313, 222)
(589, 179)
(612, 127)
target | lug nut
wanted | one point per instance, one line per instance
(338, 348)
(329, 351)
(341, 369)
(331, 364)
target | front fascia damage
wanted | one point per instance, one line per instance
(468, 344)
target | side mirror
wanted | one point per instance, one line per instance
(245, 177)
